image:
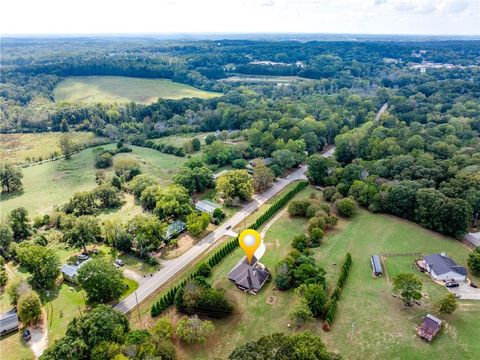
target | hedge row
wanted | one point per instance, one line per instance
(164, 148)
(167, 299)
(344, 271)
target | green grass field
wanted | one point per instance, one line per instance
(120, 89)
(384, 328)
(53, 183)
(16, 148)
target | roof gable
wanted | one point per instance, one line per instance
(442, 264)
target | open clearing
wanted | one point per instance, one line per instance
(384, 328)
(16, 148)
(120, 89)
(263, 79)
(53, 183)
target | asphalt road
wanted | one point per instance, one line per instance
(172, 267)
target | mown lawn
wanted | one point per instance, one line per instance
(52, 184)
(121, 89)
(384, 328)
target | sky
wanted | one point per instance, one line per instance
(428, 17)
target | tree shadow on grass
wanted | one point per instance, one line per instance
(9, 196)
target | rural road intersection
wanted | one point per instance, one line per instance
(170, 268)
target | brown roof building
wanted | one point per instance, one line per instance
(249, 278)
(429, 328)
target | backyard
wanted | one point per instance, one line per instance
(383, 327)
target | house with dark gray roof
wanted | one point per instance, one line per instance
(443, 268)
(249, 278)
(8, 322)
(430, 327)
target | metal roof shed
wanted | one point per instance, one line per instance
(8, 322)
(376, 265)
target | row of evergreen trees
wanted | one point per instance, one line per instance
(332, 307)
(168, 298)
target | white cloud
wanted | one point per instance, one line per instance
(167, 16)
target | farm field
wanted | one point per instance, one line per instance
(384, 328)
(16, 148)
(120, 89)
(53, 183)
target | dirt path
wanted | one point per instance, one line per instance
(39, 340)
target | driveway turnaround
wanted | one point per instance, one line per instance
(172, 267)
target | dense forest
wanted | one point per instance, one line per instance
(420, 157)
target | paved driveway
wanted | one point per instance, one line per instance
(466, 292)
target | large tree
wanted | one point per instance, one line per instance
(101, 280)
(320, 168)
(195, 179)
(193, 330)
(10, 178)
(197, 223)
(148, 232)
(409, 286)
(19, 223)
(140, 183)
(235, 185)
(278, 346)
(262, 178)
(6, 238)
(86, 230)
(41, 262)
(29, 308)
(172, 201)
(315, 298)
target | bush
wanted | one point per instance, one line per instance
(329, 193)
(317, 222)
(300, 242)
(239, 164)
(204, 270)
(298, 207)
(346, 207)
(316, 236)
(448, 304)
(312, 210)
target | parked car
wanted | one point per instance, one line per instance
(119, 262)
(27, 336)
(288, 176)
(82, 257)
(452, 284)
(229, 227)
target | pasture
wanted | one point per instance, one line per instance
(19, 148)
(384, 328)
(53, 183)
(120, 89)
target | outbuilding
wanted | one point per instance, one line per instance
(429, 328)
(8, 322)
(376, 265)
(206, 206)
(70, 272)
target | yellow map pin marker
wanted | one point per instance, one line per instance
(249, 241)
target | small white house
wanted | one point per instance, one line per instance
(443, 268)
(70, 272)
(206, 206)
